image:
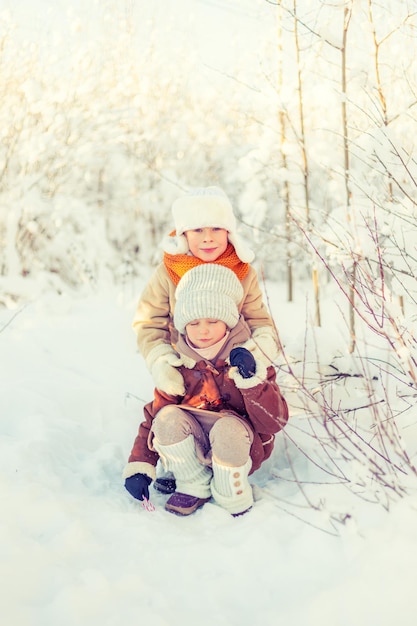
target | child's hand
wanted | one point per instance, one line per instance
(162, 362)
(244, 361)
(138, 486)
(166, 377)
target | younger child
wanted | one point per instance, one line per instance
(222, 428)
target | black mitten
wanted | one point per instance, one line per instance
(244, 361)
(138, 486)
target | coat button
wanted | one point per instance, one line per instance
(237, 483)
(238, 493)
(236, 475)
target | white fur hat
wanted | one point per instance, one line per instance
(208, 291)
(205, 207)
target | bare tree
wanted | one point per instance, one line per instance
(304, 158)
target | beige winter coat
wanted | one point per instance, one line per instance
(153, 319)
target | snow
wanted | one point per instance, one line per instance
(326, 544)
(77, 549)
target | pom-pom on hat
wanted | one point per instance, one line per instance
(205, 207)
(207, 291)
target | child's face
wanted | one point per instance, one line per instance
(207, 244)
(204, 332)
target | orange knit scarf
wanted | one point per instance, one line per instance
(178, 264)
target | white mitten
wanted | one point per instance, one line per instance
(162, 362)
(263, 344)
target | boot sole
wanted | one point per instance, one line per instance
(183, 510)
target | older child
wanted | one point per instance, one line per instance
(205, 232)
(222, 428)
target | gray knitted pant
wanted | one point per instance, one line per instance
(223, 437)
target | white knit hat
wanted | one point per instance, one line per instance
(205, 207)
(208, 291)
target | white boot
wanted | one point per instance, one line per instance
(191, 476)
(230, 487)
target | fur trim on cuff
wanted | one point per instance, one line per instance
(139, 467)
(247, 383)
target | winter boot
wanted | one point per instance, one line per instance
(165, 483)
(192, 478)
(230, 488)
(183, 504)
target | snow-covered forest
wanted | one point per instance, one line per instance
(305, 113)
(313, 142)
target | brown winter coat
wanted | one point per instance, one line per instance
(208, 386)
(153, 319)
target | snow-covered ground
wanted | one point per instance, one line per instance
(77, 550)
